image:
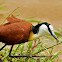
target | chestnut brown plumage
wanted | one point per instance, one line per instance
(16, 31)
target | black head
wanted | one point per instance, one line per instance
(36, 28)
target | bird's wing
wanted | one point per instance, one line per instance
(15, 33)
(13, 19)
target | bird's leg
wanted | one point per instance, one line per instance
(28, 56)
(2, 47)
(17, 56)
(32, 49)
(34, 45)
(32, 58)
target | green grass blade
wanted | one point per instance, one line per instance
(2, 3)
(33, 20)
(17, 15)
(30, 44)
(58, 33)
(55, 55)
(51, 51)
(30, 17)
(2, 8)
(10, 14)
(60, 29)
(17, 49)
(46, 48)
(5, 56)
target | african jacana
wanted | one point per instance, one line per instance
(18, 31)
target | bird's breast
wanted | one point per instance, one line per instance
(32, 36)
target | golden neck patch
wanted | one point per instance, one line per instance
(31, 36)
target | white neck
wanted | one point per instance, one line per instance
(42, 31)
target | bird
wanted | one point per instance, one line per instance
(18, 31)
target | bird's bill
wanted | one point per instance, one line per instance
(53, 34)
